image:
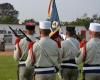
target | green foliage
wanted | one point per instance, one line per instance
(30, 20)
(82, 22)
(8, 68)
(8, 20)
(8, 15)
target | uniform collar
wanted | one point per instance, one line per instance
(45, 38)
(69, 38)
(97, 39)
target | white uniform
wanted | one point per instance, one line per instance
(70, 49)
(92, 59)
(92, 54)
(45, 50)
(23, 50)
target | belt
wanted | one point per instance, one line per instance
(21, 63)
(91, 68)
(69, 61)
(69, 64)
(41, 70)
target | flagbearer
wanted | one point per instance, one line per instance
(47, 56)
(21, 52)
(91, 58)
(70, 49)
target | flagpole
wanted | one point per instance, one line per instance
(53, 16)
(57, 13)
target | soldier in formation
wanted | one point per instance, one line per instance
(90, 54)
(47, 55)
(21, 52)
(70, 49)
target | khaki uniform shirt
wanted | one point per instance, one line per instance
(24, 48)
(42, 47)
(70, 48)
(92, 52)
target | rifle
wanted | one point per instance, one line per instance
(77, 37)
(28, 39)
(14, 32)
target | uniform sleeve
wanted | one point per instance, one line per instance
(79, 57)
(17, 50)
(65, 49)
(62, 49)
(31, 56)
(28, 61)
(87, 56)
(59, 55)
(91, 53)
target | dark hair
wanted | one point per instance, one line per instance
(45, 31)
(30, 28)
(71, 30)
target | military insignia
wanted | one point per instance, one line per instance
(54, 25)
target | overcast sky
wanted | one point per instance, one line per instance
(68, 9)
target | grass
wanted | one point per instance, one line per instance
(8, 68)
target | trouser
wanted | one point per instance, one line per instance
(45, 76)
(91, 71)
(45, 73)
(69, 70)
(25, 73)
(69, 74)
(92, 76)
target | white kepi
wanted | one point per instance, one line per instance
(95, 27)
(44, 24)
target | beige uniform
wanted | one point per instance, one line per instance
(23, 44)
(70, 49)
(92, 61)
(47, 57)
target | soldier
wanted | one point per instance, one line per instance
(91, 57)
(70, 49)
(21, 52)
(47, 56)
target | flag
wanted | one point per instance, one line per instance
(53, 13)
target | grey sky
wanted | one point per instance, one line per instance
(68, 9)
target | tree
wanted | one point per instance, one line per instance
(95, 17)
(85, 15)
(82, 22)
(8, 15)
(30, 20)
